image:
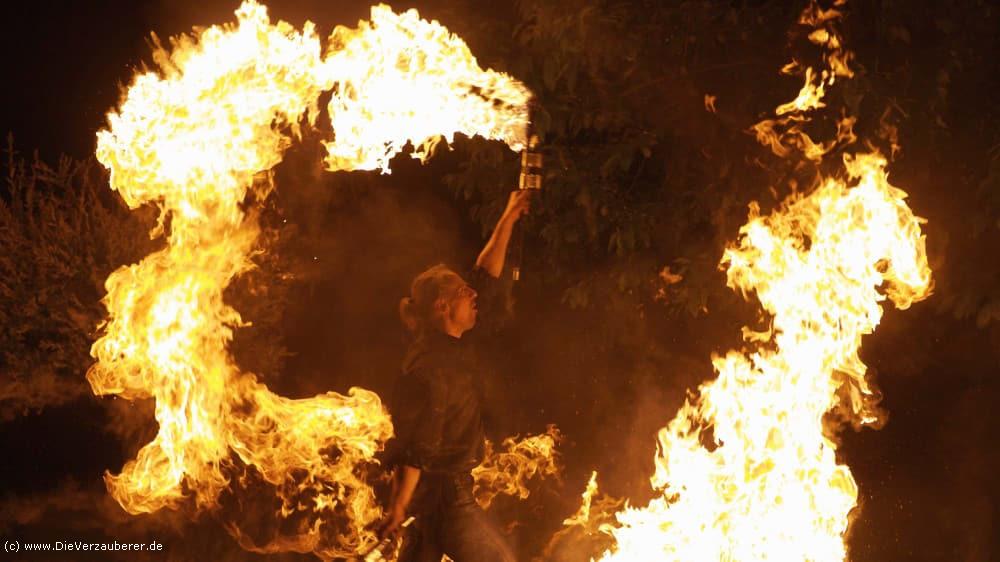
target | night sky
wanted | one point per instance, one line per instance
(66, 60)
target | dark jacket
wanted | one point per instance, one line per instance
(437, 408)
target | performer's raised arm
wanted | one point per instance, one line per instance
(491, 259)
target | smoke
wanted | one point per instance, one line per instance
(72, 511)
(75, 511)
(353, 243)
(33, 392)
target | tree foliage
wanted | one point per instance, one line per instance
(61, 233)
(643, 111)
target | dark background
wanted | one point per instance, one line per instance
(640, 176)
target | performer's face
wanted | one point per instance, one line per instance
(461, 306)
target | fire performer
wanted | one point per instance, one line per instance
(437, 412)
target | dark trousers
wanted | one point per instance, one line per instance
(453, 525)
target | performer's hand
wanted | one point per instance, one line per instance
(518, 203)
(391, 522)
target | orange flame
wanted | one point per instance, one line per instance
(508, 471)
(785, 133)
(747, 470)
(197, 139)
(581, 531)
(582, 515)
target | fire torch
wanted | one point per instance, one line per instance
(531, 178)
(382, 550)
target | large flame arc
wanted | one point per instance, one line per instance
(197, 138)
(770, 481)
(748, 470)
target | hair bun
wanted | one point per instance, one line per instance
(406, 313)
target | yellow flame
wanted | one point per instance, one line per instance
(198, 139)
(582, 515)
(509, 470)
(426, 85)
(747, 470)
(785, 132)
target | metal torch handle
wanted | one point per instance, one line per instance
(531, 178)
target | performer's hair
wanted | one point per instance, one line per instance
(417, 310)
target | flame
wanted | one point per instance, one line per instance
(198, 139)
(582, 515)
(596, 509)
(747, 470)
(425, 85)
(785, 132)
(508, 471)
(581, 532)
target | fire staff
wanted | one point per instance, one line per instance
(436, 410)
